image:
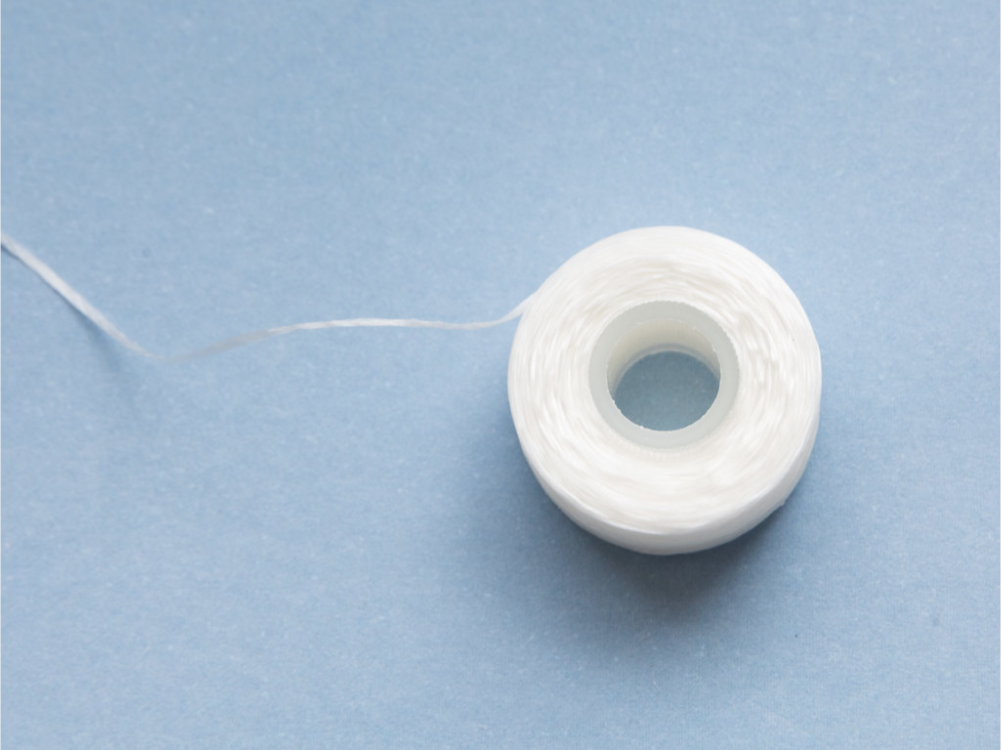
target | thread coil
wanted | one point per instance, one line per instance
(678, 495)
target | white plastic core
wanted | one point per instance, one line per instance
(652, 328)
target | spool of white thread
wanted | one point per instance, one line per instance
(634, 294)
(647, 291)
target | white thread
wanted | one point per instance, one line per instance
(633, 294)
(95, 316)
(663, 289)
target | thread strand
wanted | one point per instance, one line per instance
(95, 316)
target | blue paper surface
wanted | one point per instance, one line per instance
(332, 539)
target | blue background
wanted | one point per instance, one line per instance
(332, 539)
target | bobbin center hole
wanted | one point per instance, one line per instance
(666, 390)
(664, 374)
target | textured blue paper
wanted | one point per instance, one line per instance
(332, 539)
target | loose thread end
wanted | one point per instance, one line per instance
(91, 313)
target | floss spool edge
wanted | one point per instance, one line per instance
(647, 291)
